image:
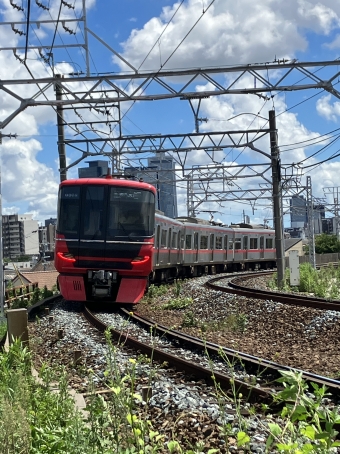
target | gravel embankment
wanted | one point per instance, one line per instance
(298, 337)
(181, 408)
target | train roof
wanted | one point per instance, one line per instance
(110, 181)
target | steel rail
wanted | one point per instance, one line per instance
(236, 288)
(248, 390)
(254, 364)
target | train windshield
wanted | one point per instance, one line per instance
(105, 213)
(131, 213)
(68, 211)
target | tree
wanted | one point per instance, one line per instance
(326, 244)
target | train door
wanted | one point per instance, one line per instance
(158, 242)
(196, 246)
(245, 247)
(226, 247)
(212, 246)
(262, 247)
(169, 245)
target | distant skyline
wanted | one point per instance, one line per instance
(155, 34)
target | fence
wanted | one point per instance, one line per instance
(24, 291)
(320, 259)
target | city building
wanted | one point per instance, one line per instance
(96, 169)
(318, 217)
(160, 172)
(298, 212)
(20, 235)
(51, 225)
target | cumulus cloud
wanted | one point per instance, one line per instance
(25, 178)
(229, 33)
(328, 109)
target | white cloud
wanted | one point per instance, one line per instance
(25, 178)
(327, 109)
(243, 31)
(335, 44)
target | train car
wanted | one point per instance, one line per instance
(104, 239)
(110, 242)
(191, 247)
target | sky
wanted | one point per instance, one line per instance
(152, 35)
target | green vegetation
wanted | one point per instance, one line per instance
(36, 420)
(324, 283)
(23, 301)
(325, 244)
(178, 303)
(3, 329)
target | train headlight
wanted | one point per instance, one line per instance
(140, 259)
(66, 256)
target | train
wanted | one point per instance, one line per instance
(111, 242)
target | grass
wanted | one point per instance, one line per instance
(36, 420)
(324, 283)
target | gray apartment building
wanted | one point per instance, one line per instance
(20, 235)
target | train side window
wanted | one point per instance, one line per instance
(269, 243)
(226, 245)
(231, 244)
(253, 243)
(237, 244)
(245, 242)
(188, 241)
(218, 242)
(163, 238)
(204, 242)
(212, 241)
(174, 240)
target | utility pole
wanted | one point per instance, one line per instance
(277, 199)
(60, 123)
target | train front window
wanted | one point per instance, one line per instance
(68, 211)
(93, 211)
(131, 213)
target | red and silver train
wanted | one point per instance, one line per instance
(110, 243)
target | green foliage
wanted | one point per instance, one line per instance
(309, 425)
(326, 244)
(189, 320)
(324, 283)
(3, 329)
(177, 303)
(155, 291)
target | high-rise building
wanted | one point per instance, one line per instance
(298, 212)
(96, 169)
(160, 172)
(20, 235)
(51, 225)
(318, 216)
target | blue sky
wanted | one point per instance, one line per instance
(229, 33)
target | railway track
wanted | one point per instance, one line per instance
(238, 286)
(268, 371)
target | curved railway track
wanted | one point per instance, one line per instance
(237, 287)
(267, 370)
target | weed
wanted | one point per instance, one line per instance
(178, 303)
(189, 320)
